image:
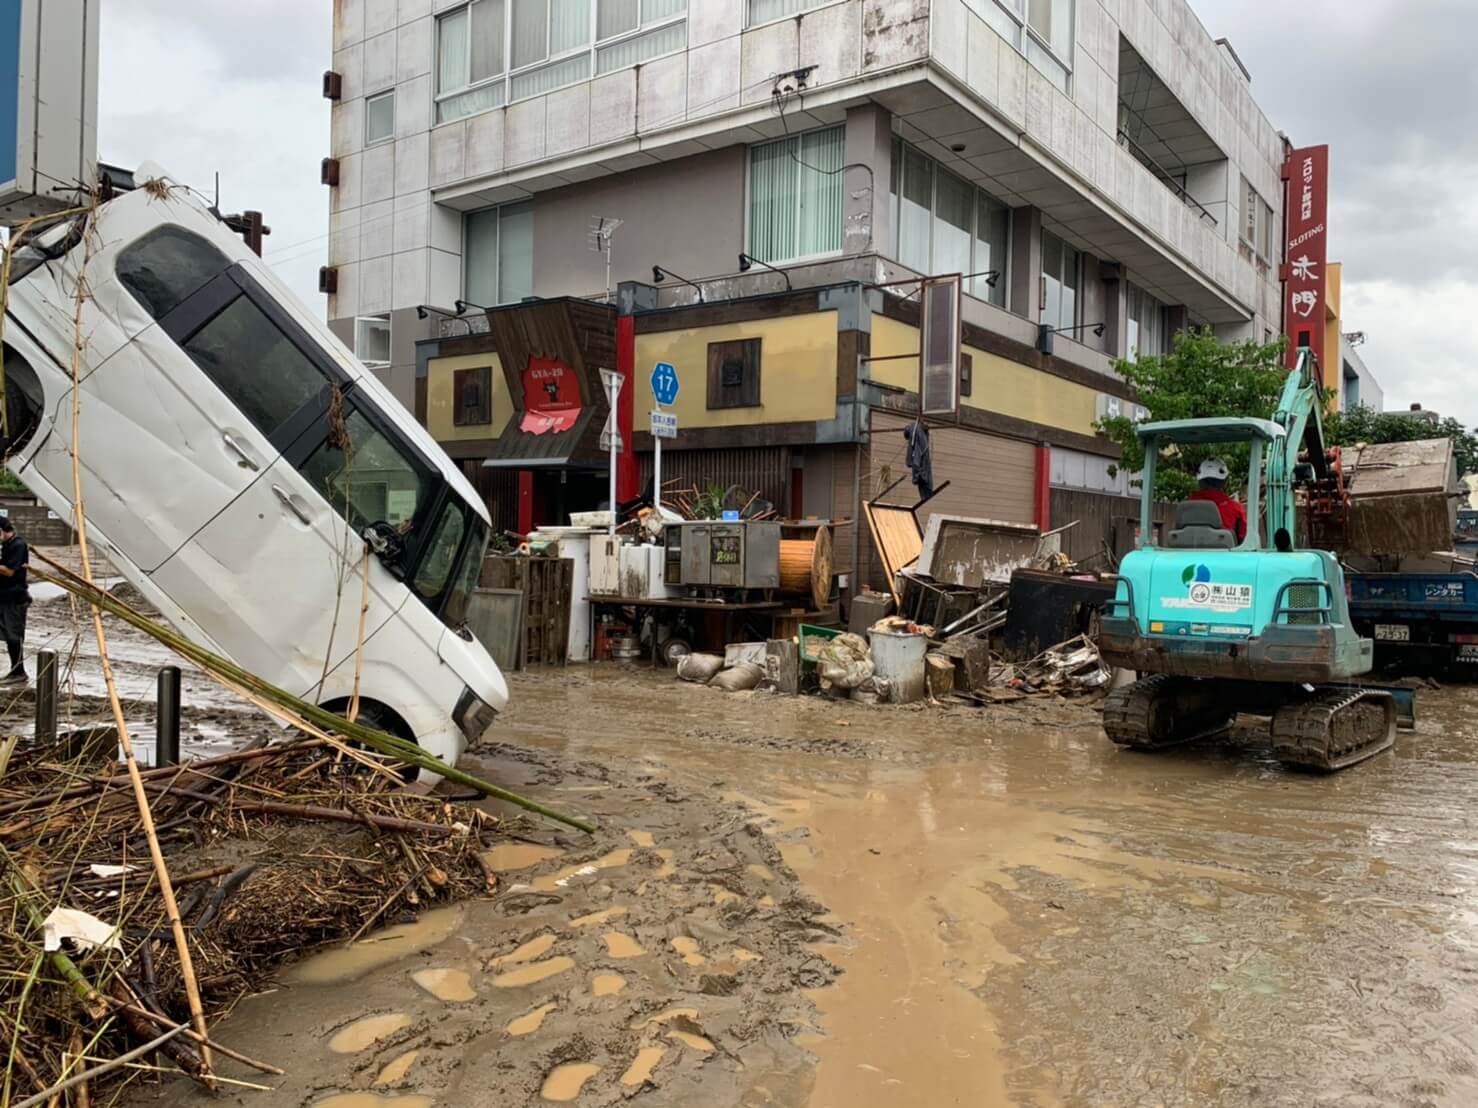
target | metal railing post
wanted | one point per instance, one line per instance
(167, 725)
(46, 696)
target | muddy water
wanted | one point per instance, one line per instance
(348, 963)
(1028, 915)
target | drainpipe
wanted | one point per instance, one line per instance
(1043, 496)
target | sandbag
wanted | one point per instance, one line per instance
(699, 668)
(844, 662)
(744, 676)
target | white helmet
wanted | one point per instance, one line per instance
(1214, 468)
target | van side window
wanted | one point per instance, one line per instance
(249, 358)
(166, 266)
(440, 556)
(367, 478)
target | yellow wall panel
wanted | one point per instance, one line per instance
(997, 384)
(439, 376)
(798, 371)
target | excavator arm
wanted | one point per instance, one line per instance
(1300, 414)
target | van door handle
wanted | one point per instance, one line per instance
(240, 451)
(292, 505)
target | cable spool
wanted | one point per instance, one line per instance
(805, 567)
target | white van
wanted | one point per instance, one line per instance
(233, 452)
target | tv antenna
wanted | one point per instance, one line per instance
(601, 230)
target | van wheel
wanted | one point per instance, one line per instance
(381, 718)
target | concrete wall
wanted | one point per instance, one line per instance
(687, 215)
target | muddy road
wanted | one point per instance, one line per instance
(1031, 916)
(801, 902)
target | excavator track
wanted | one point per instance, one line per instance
(1163, 711)
(1334, 728)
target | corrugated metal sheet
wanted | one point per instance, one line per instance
(761, 469)
(990, 477)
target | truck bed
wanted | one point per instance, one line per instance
(1431, 614)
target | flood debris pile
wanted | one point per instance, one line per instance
(271, 850)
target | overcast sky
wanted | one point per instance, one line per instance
(203, 86)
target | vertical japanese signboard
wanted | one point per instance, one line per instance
(1306, 253)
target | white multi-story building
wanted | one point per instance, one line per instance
(1104, 161)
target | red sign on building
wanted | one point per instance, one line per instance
(1304, 279)
(551, 396)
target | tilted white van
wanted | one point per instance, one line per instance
(233, 453)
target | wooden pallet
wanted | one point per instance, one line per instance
(547, 585)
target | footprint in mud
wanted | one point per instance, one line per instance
(364, 1033)
(640, 1070)
(642, 839)
(536, 947)
(621, 945)
(607, 984)
(530, 1022)
(688, 948)
(533, 972)
(507, 857)
(763, 872)
(395, 1070)
(692, 1040)
(565, 1082)
(450, 986)
(602, 916)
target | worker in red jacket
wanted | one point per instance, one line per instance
(1213, 478)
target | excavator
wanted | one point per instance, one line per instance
(1216, 627)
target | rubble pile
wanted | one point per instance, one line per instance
(272, 851)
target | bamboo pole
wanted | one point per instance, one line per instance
(146, 814)
(364, 571)
(292, 709)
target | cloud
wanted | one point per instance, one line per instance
(229, 90)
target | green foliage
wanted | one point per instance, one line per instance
(1201, 378)
(710, 502)
(1365, 425)
(9, 482)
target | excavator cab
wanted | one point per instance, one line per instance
(1216, 627)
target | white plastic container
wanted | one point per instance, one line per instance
(900, 659)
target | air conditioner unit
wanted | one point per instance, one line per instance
(333, 85)
(328, 172)
(328, 279)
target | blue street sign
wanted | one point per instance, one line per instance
(664, 383)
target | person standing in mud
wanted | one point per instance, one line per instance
(15, 598)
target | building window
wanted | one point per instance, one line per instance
(1042, 30)
(734, 374)
(379, 118)
(1061, 266)
(1147, 330)
(372, 340)
(1256, 225)
(472, 397)
(763, 11)
(499, 254)
(944, 224)
(469, 59)
(491, 52)
(795, 196)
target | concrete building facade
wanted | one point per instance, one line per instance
(1095, 167)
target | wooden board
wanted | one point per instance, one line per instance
(546, 585)
(896, 535)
